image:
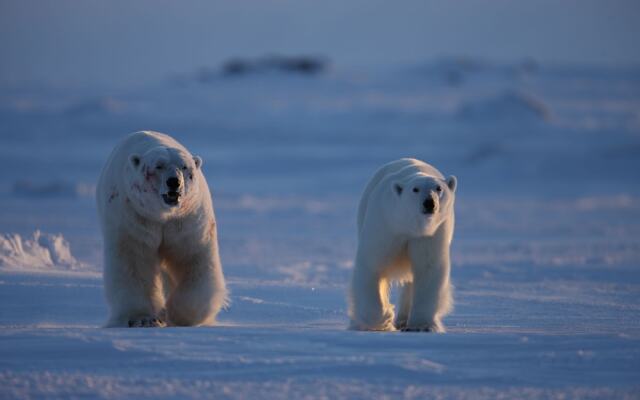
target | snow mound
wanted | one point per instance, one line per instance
(509, 106)
(103, 106)
(455, 70)
(42, 251)
(298, 65)
(52, 189)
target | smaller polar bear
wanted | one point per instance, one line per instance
(161, 262)
(405, 227)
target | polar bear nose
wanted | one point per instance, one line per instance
(428, 206)
(173, 183)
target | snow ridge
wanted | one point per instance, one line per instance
(42, 250)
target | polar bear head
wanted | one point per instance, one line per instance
(163, 181)
(422, 203)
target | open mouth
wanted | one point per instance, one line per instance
(171, 198)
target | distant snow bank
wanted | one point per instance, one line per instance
(509, 105)
(26, 188)
(42, 251)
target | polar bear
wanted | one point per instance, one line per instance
(405, 228)
(161, 261)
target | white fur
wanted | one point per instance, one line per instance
(161, 262)
(398, 241)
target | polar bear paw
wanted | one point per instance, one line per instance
(435, 327)
(421, 329)
(401, 325)
(146, 322)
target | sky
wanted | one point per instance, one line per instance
(125, 42)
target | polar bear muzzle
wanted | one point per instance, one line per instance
(430, 204)
(173, 184)
(172, 197)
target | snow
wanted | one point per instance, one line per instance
(52, 189)
(514, 106)
(42, 251)
(545, 255)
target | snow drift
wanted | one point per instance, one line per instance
(508, 106)
(43, 250)
(26, 188)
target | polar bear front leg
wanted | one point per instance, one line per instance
(431, 298)
(200, 291)
(369, 307)
(133, 288)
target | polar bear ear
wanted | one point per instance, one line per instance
(134, 159)
(452, 182)
(397, 188)
(198, 161)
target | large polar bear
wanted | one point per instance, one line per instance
(405, 227)
(160, 237)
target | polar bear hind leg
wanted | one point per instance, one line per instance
(404, 305)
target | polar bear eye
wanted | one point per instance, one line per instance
(439, 189)
(159, 167)
(416, 190)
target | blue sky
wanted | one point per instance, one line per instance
(80, 42)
